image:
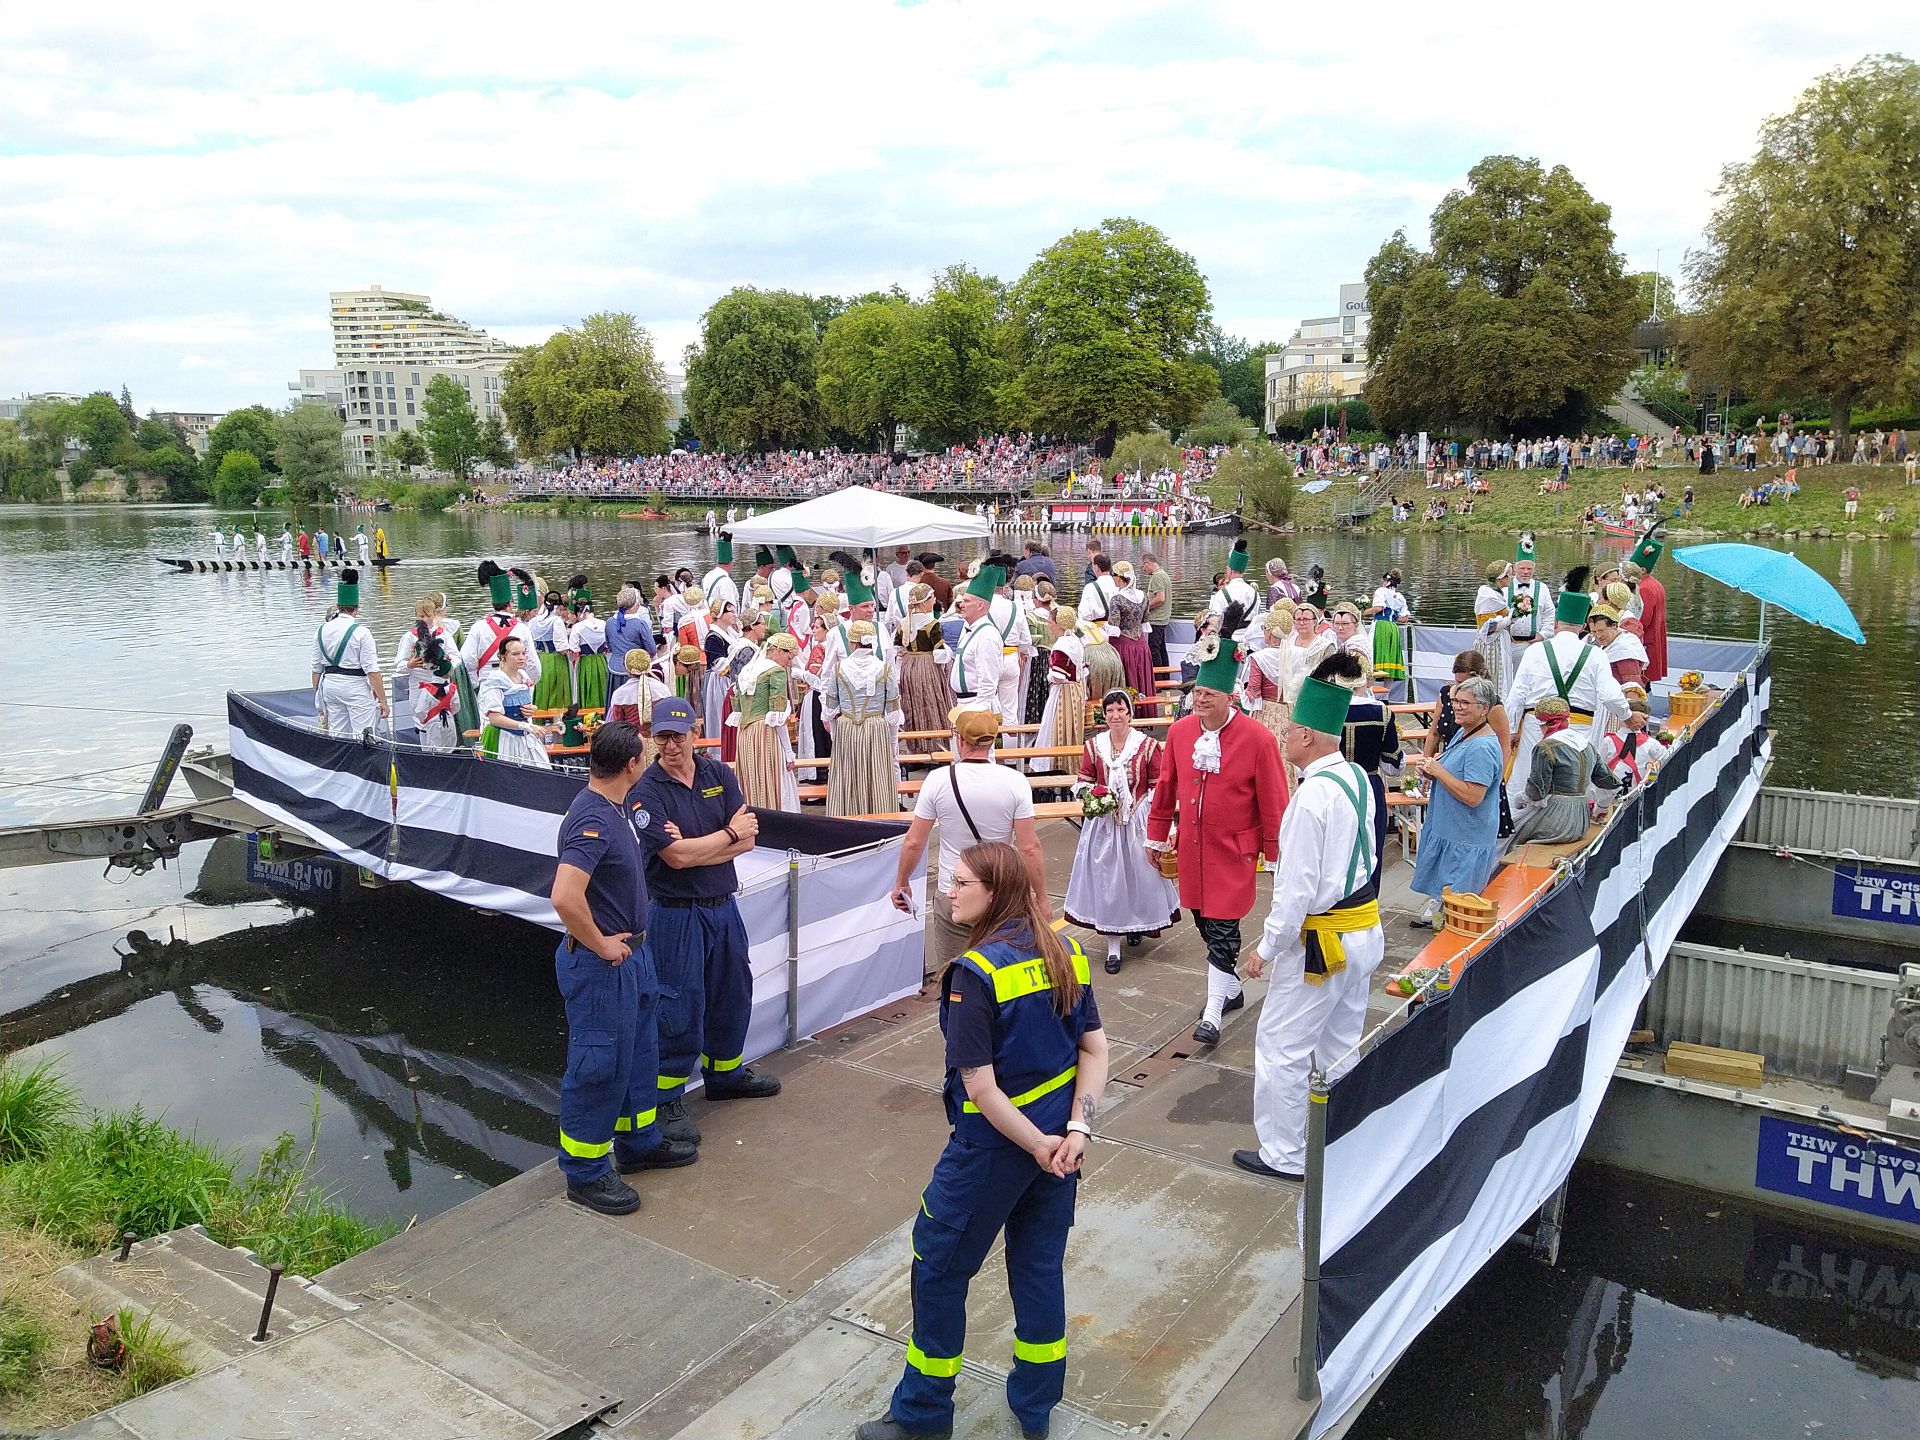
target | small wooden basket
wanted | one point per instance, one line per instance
(1466, 913)
(1686, 706)
(1168, 861)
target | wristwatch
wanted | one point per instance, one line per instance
(1079, 1127)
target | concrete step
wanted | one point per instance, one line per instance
(206, 1293)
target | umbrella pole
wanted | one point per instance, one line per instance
(1763, 622)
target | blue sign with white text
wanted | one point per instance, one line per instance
(308, 879)
(1829, 1167)
(1891, 896)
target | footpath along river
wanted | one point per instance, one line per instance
(433, 1039)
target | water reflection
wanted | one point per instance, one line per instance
(1671, 1313)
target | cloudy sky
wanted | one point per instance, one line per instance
(184, 183)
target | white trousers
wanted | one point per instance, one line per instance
(1010, 700)
(347, 703)
(1299, 1022)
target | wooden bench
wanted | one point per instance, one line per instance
(913, 787)
(1512, 888)
(1042, 810)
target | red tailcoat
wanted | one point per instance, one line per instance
(1653, 627)
(1226, 819)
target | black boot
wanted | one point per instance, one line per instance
(741, 1084)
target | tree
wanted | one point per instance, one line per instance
(239, 480)
(1664, 389)
(1806, 286)
(449, 427)
(99, 424)
(311, 456)
(753, 380)
(253, 429)
(863, 368)
(952, 363)
(1654, 295)
(592, 390)
(126, 406)
(1218, 423)
(1242, 369)
(178, 468)
(1101, 332)
(46, 426)
(1144, 451)
(18, 479)
(406, 449)
(1516, 320)
(495, 446)
(1262, 479)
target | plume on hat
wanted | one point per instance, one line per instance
(526, 576)
(488, 569)
(578, 582)
(1577, 578)
(1233, 619)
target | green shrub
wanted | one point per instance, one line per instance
(23, 1341)
(1297, 424)
(1144, 450)
(1261, 477)
(36, 1104)
(155, 1355)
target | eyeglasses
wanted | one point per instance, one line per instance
(960, 881)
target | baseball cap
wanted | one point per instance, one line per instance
(672, 716)
(974, 726)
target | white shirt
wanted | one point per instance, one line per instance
(1317, 834)
(1235, 589)
(359, 653)
(480, 640)
(996, 796)
(717, 583)
(1626, 646)
(1095, 597)
(1539, 621)
(978, 653)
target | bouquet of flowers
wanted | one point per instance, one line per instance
(1665, 737)
(1692, 681)
(1097, 801)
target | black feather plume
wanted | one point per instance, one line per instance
(579, 580)
(488, 569)
(1577, 578)
(1232, 619)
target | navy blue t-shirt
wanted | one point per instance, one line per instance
(595, 837)
(969, 1018)
(703, 808)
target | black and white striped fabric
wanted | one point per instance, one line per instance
(484, 833)
(1448, 1135)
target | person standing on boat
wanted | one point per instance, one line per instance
(1217, 804)
(305, 544)
(508, 730)
(348, 694)
(692, 821)
(219, 543)
(322, 542)
(1026, 1063)
(360, 543)
(587, 643)
(717, 583)
(1490, 620)
(286, 544)
(1388, 611)
(1653, 605)
(239, 543)
(481, 649)
(548, 629)
(260, 545)
(426, 655)
(608, 1096)
(1115, 888)
(1564, 666)
(1322, 937)
(763, 697)
(862, 702)
(627, 629)
(1236, 591)
(380, 550)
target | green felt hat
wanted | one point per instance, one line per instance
(1647, 552)
(797, 578)
(1237, 561)
(726, 550)
(500, 587)
(763, 556)
(786, 557)
(1322, 706)
(581, 596)
(1571, 608)
(347, 595)
(1523, 547)
(1222, 672)
(859, 592)
(526, 598)
(990, 578)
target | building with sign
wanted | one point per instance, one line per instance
(1325, 360)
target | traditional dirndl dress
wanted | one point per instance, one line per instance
(926, 697)
(1063, 720)
(865, 778)
(515, 701)
(1114, 888)
(1490, 636)
(765, 759)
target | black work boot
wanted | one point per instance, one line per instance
(741, 1084)
(675, 1125)
(610, 1195)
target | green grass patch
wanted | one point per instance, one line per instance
(36, 1104)
(155, 1356)
(23, 1343)
(113, 1171)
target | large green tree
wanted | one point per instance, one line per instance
(1101, 333)
(311, 456)
(253, 429)
(594, 389)
(1517, 318)
(1242, 369)
(47, 426)
(1809, 284)
(753, 379)
(178, 468)
(100, 424)
(239, 480)
(407, 449)
(449, 427)
(954, 367)
(863, 368)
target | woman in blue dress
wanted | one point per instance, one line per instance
(1460, 841)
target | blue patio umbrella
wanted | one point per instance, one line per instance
(1775, 577)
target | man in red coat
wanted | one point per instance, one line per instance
(1220, 775)
(1653, 608)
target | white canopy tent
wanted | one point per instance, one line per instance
(858, 516)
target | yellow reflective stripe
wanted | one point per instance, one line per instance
(1027, 1097)
(667, 1082)
(637, 1122)
(939, 1366)
(1039, 1354)
(720, 1067)
(980, 960)
(581, 1150)
(1029, 977)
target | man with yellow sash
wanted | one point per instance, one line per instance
(1322, 937)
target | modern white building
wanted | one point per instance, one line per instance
(1325, 360)
(197, 423)
(388, 345)
(14, 408)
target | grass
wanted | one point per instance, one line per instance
(155, 1355)
(46, 1379)
(36, 1104)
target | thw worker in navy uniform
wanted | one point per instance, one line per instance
(1026, 1065)
(607, 1096)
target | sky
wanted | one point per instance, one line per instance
(183, 184)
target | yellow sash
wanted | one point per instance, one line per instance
(1328, 928)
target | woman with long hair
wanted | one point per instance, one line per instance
(1026, 1065)
(553, 690)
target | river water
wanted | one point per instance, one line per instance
(431, 1042)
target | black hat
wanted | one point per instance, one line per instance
(931, 557)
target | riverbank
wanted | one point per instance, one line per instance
(73, 1181)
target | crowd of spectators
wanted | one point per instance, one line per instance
(999, 464)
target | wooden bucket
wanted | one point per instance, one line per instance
(1686, 706)
(1467, 914)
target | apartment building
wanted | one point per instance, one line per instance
(376, 326)
(197, 423)
(1324, 360)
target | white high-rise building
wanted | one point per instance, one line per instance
(376, 326)
(1325, 360)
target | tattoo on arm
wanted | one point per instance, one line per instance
(1086, 1108)
(967, 1072)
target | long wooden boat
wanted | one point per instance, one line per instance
(223, 565)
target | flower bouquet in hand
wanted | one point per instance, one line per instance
(1097, 801)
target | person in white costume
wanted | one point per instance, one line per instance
(1566, 665)
(348, 693)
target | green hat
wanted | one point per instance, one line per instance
(347, 596)
(581, 596)
(525, 597)
(1647, 552)
(786, 556)
(1322, 706)
(726, 550)
(797, 578)
(1237, 561)
(500, 587)
(990, 578)
(1221, 671)
(1523, 548)
(1571, 608)
(763, 556)
(859, 592)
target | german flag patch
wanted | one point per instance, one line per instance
(953, 996)
(590, 834)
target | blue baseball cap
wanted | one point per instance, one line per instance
(672, 716)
